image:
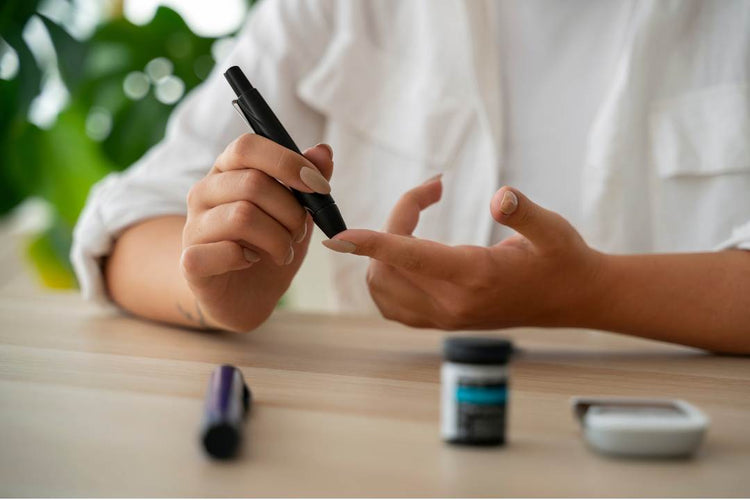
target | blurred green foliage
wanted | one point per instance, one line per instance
(60, 163)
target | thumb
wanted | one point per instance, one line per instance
(544, 228)
(321, 156)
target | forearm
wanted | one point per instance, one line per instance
(701, 300)
(143, 276)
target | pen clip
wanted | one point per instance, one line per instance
(236, 106)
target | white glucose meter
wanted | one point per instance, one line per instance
(640, 427)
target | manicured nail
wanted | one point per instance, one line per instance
(314, 180)
(432, 179)
(250, 256)
(341, 246)
(328, 147)
(289, 257)
(509, 203)
(301, 235)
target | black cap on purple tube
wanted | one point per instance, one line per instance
(227, 402)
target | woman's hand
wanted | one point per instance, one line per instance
(537, 277)
(245, 234)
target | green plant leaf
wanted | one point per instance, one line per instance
(120, 47)
(71, 54)
(29, 76)
(60, 164)
(136, 127)
(11, 192)
(14, 14)
(16, 96)
(71, 163)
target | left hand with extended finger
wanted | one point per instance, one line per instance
(545, 275)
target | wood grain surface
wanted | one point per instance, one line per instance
(94, 403)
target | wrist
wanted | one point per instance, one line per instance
(591, 295)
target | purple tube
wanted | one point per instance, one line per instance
(227, 403)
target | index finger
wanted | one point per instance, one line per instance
(257, 152)
(424, 257)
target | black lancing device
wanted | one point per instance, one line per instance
(263, 121)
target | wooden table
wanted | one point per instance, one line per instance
(94, 403)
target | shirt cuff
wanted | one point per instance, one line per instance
(103, 219)
(740, 239)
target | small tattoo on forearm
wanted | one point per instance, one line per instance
(185, 314)
(198, 319)
(201, 318)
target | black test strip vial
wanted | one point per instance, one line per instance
(474, 379)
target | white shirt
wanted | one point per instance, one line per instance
(557, 60)
(404, 90)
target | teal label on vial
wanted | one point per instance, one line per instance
(487, 395)
(480, 410)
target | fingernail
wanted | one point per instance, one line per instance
(250, 256)
(302, 234)
(289, 257)
(432, 179)
(509, 203)
(328, 147)
(341, 246)
(314, 180)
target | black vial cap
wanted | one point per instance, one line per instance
(477, 350)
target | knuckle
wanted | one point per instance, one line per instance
(242, 213)
(411, 195)
(455, 314)
(410, 260)
(413, 263)
(192, 228)
(194, 194)
(251, 182)
(191, 261)
(245, 141)
(231, 150)
(409, 202)
(240, 146)
(479, 276)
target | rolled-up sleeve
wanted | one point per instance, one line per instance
(280, 42)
